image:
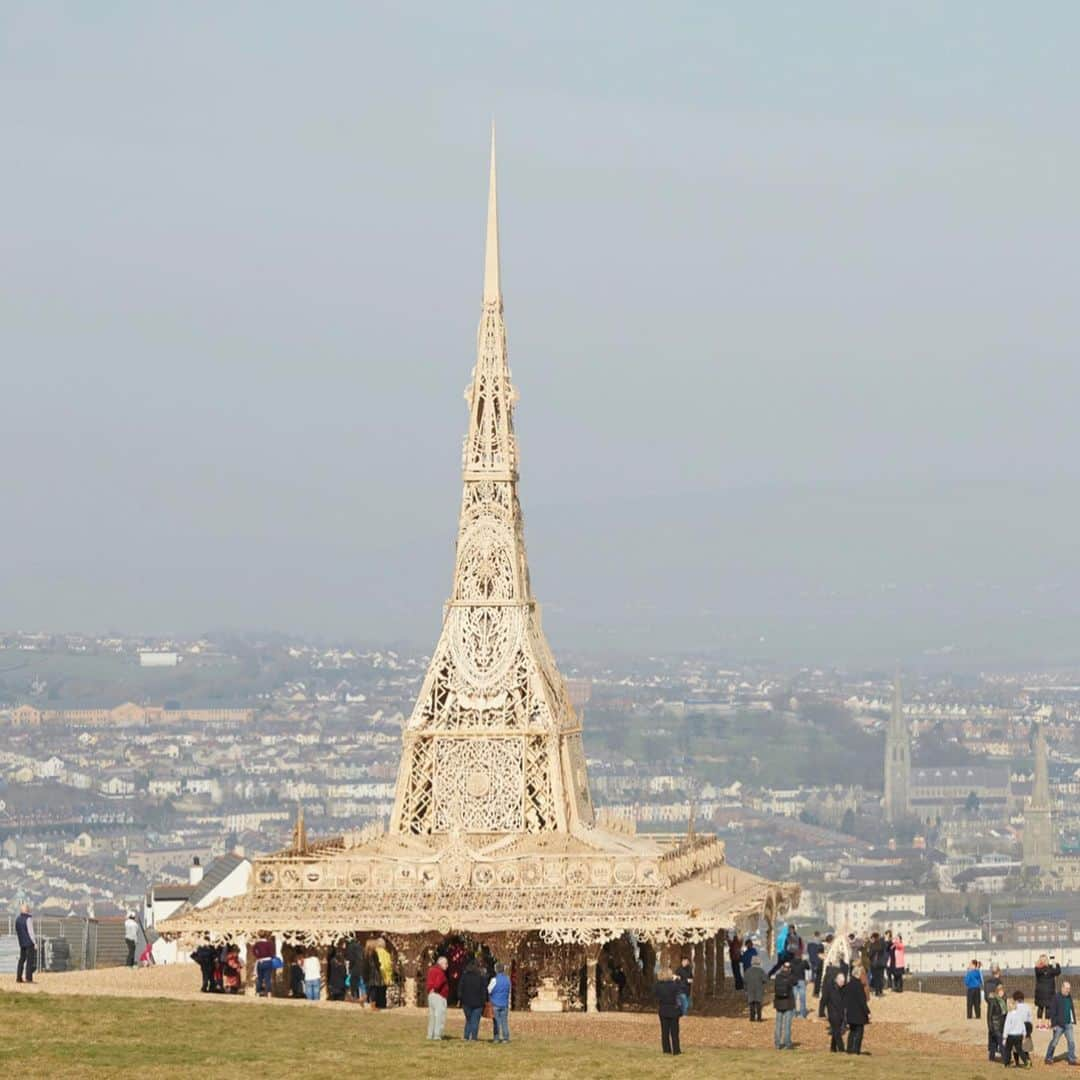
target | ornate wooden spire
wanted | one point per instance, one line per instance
(493, 745)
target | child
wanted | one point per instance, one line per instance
(296, 975)
(231, 971)
(996, 1008)
(1018, 1026)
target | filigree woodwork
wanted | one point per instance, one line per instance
(493, 829)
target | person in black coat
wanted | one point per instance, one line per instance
(1046, 974)
(335, 977)
(296, 975)
(857, 1014)
(472, 994)
(204, 956)
(354, 957)
(667, 995)
(834, 1010)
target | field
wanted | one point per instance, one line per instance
(132, 1032)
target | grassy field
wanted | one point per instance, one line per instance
(70, 1036)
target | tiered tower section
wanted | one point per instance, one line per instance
(493, 745)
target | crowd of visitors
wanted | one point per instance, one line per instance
(844, 972)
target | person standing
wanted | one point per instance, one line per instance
(1063, 1022)
(837, 960)
(748, 954)
(205, 956)
(131, 937)
(890, 959)
(784, 1004)
(263, 950)
(386, 969)
(354, 957)
(312, 977)
(991, 982)
(834, 1009)
(755, 989)
(799, 966)
(684, 975)
(24, 932)
(899, 953)
(336, 975)
(878, 953)
(1046, 974)
(735, 955)
(472, 993)
(1017, 1028)
(669, 1010)
(438, 991)
(996, 1008)
(973, 984)
(815, 953)
(782, 954)
(499, 995)
(373, 976)
(856, 1013)
(297, 988)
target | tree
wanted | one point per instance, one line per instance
(847, 824)
(972, 803)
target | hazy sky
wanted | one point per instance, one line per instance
(791, 293)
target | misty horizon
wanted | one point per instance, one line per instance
(793, 326)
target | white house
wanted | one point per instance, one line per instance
(227, 876)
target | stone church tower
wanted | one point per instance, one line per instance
(897, 761)
(1038, 845)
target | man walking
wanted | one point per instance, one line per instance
(834, 1009)
(1063, 1021)
(131, 937)
(438, 991)
(24, 931)
(784, 1004)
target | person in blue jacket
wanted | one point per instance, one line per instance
(973, 984)
(499, 995)
(748, 953)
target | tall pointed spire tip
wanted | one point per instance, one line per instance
(492, 283)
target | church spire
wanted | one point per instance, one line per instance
(1040, 788)
(1038, 839)
(897, 759)
(492, 282)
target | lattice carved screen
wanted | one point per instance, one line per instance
(479, 785)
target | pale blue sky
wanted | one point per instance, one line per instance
(790, 290)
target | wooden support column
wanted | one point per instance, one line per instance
(591, 1003)
(721, 952)
(710, 966)
(249, 967)
(700, 971)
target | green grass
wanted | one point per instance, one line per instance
(62, 1036)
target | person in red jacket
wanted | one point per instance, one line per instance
(438, 990)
